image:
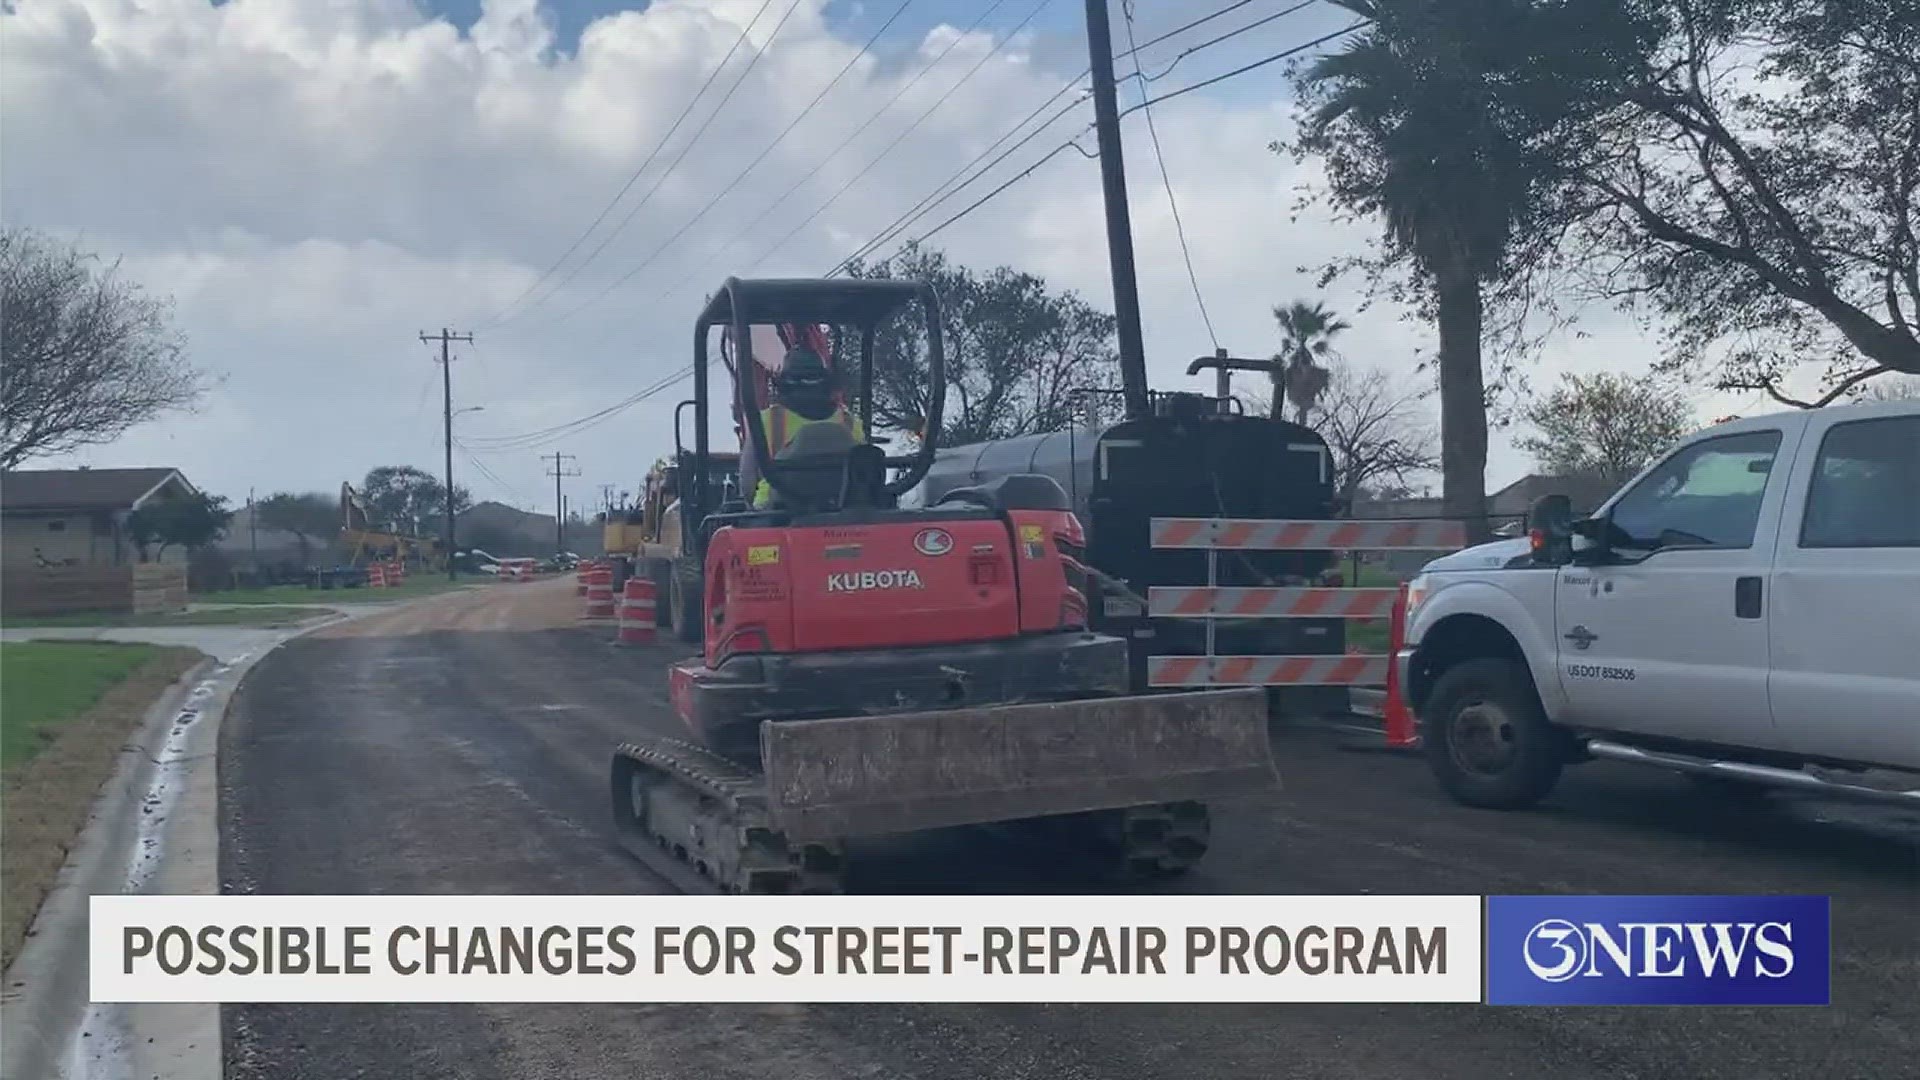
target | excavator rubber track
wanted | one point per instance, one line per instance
(719, 838)
(709, 814)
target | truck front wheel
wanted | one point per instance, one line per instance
(1487, 739)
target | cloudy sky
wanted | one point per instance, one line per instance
(316, 182)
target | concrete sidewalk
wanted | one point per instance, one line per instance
(153, 829)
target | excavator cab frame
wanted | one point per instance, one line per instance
(861, 305)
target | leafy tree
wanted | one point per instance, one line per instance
(85, 356)
(1377, 430)
(1450, 122)
(1306, 337)
(1754, 182)
(190, 521)
(1606, 425)
(1410, 133)
(1018, 354)
(307, 515)
(408, 499)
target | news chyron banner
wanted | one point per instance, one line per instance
(794, 949)
(1658, 950)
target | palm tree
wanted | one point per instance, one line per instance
(1403, 117)
(1306, 335)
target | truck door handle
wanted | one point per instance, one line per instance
(1746, 598)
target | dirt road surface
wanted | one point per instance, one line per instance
(460, 745)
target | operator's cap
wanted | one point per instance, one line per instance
(802, 365)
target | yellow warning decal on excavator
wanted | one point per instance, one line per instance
(763, 555)
(1032, 534)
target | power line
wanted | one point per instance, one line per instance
(633, 179)
(1243, 69)
(948, 189)
(481, 467)
(844, 188)
(942, 193)
(848, 141)
(1166, 180)
(735, 182)
(549, 435)
(681, 156)
(942, 100)
(1202, 46)
(1070, 144)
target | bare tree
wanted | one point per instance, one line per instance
(84, 354)
(1756, 184)
(1605, 425)
(1377, 430)
(1901, 388)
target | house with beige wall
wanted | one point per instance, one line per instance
(78, 517)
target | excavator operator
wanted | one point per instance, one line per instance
(805, 392)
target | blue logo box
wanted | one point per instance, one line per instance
(1658, 950)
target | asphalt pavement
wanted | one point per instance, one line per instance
(460, 745)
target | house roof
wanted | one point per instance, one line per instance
(1586, 492)
(83, 489)
(502, 513)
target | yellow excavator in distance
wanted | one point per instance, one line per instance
(364, 541)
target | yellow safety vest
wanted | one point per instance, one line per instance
(779, 423)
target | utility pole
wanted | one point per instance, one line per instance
(446, 338)
(1113, 182)
(559, 500)
(253, 532)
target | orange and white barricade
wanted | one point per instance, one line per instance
(1213, 602)
(637, 620)
(376, 575)
(600, 593)
(580, 579)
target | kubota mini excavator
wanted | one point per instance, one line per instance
(869, 669)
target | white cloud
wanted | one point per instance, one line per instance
(317, 183)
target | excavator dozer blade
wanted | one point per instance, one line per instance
(872, 775)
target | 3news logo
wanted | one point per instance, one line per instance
(1657, 950)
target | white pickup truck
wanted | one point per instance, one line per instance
(1745, 610)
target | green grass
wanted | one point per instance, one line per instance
(1368, 635)
(424, 583)
(261, 615)
(43, 683)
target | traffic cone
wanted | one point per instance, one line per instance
(1401, 730)
(637, 623)
(600, 594)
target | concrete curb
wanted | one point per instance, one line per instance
(46, 991)
(154, 829)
